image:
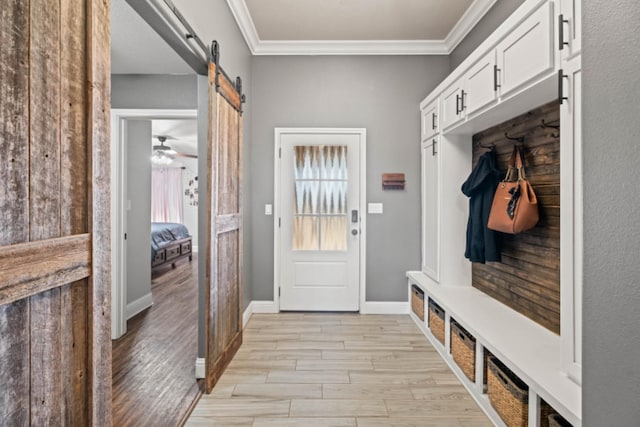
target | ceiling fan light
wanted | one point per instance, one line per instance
(160, 158)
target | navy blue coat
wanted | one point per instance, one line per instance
(483, 245)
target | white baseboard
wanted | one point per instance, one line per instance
(200, 368)
(385, 307)
(268, 307)
(138, 305)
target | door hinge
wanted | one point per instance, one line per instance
(125, 236)
(279, 291)
(279, 222)
(280, 152)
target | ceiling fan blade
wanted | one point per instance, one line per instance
(191, 156)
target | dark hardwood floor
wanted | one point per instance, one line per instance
(154, 362)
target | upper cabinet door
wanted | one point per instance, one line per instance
(526, 54)
(430, 120)
(481, 83)
(453, 104)
(570, 28)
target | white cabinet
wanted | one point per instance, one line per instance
(570, 28)
(453, 104)
(480, 84)
(570, 77)
(430, 207)
(430, 119)
(527, 52)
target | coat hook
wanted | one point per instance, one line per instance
(520, 139)
(546, 125)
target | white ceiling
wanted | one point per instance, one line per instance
(306, 27)
(181, 134)
(383, 27)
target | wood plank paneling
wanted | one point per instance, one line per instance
(528, 278)
(14, 202)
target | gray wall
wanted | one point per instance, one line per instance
(611, 125)
(498, 13)
(139, 216)
(170, 92)
(380, 94)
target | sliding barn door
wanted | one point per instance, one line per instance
(224, 232)
(55, 346)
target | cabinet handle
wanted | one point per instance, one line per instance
(561, 77)
(561, 22)
(462, 106)
(495, 78)
(433, 121)
(457, 104)
(433, 147)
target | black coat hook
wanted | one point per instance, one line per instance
(519, 139)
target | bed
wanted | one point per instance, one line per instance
(170, 242)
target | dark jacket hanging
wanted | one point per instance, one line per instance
(483, 245)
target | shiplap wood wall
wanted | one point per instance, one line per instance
(55, 343)
(528, 278)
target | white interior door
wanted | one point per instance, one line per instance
(319, 219)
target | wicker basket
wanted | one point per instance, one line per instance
(508, 394)
(555, 420)
(545, 412)
(417, 301)
(436, 320)
(463, 349)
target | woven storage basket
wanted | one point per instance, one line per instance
(463, 349)
(555, 420)
(436, 320)
(545, 412)
(508, 394)
(417, 301)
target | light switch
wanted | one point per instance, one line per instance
(268, 209)
(375, 208)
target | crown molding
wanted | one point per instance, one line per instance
(465, 24)
(357, 47)
(351, 47)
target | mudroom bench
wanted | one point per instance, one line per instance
(532, 352)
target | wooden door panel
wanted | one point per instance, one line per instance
(54, 209)
(223, 324)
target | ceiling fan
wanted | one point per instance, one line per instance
(164, 154)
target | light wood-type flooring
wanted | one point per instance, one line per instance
(336, 370)
(154, 362)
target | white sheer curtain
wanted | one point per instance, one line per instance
(166, 195)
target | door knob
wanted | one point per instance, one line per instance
(354, 232)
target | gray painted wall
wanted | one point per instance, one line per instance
(500, 11)
(139, 216)
(611, 88)
(381, 94)
(170, 92)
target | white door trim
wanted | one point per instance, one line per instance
(362, 132)
(118, 203)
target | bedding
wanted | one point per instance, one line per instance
(165, 233)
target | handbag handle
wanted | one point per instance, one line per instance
(519, 164)
(509, 176)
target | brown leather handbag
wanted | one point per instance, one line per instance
(515, 206)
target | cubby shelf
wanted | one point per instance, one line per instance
(528, 349)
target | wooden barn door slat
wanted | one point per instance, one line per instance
(44, 212)
(14, 202)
